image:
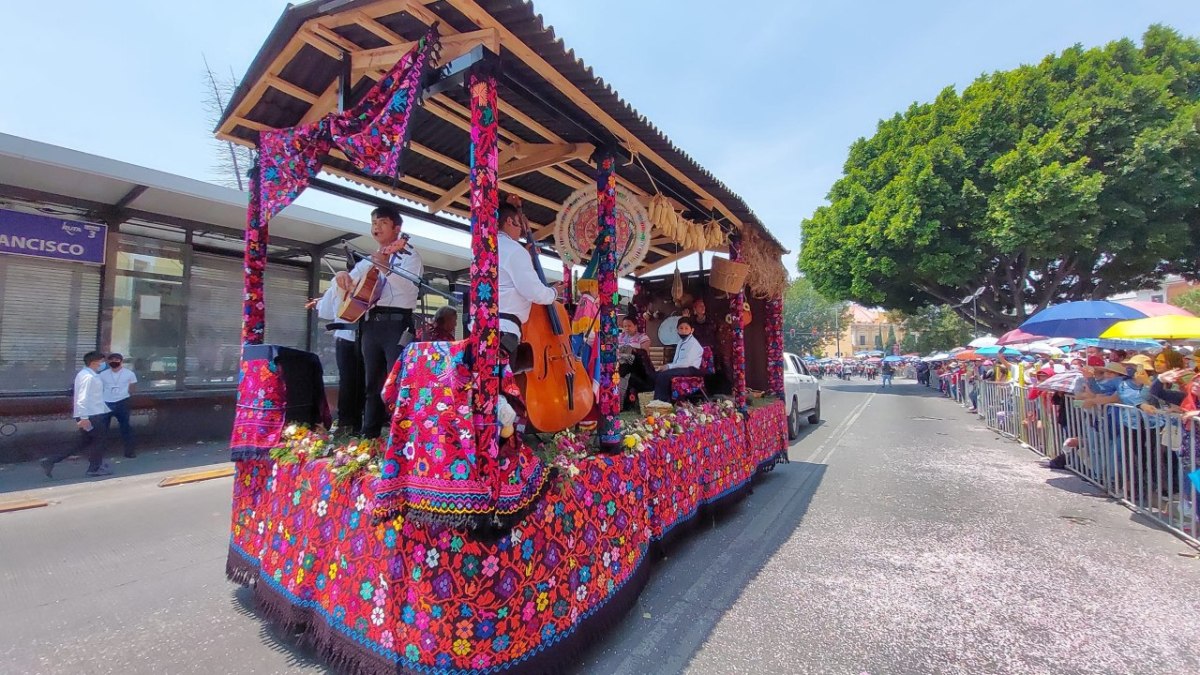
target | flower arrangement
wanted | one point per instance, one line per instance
(347, 456)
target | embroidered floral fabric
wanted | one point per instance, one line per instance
(373, 135)
(409, 596)
(606, 274)
(684, 387)
(774, 327)
(261, 407)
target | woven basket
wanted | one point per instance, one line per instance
(727, 275)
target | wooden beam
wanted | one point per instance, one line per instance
(530, 157)
(290, 89)
(381, 31)
(328, 34)
(464, 185)
(256, 91)
(250, 124)
(452, 47)
(310, 38)
(483, 19)
(326, 104)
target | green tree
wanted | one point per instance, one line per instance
(879, 341)
(1074, 178)
(809, 318)
(1189, 300)
(935, 328)
(890, 346)
(909, 345)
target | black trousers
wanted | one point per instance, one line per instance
(380, 348)
(662, 381)
(90, 442)
(351, 386)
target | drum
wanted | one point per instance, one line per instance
(668, 330)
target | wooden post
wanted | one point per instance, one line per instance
(606, 276)
(736, 312)
(254, 309)
(485, 273)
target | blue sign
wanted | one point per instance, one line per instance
(42, 236)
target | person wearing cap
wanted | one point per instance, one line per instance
(119, 381)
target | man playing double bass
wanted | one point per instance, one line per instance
(385, 324)
(519, 287)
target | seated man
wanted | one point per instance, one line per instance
(689, 354)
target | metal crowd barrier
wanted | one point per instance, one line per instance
(1139, 458)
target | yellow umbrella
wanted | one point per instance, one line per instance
(1169, 327)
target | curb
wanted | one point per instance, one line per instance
(195, 477)
(22, 505)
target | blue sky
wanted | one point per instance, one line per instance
(768, 95)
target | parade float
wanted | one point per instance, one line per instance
(455, 543)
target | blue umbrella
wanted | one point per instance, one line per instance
(1120, 343)
(997, 349)
(810, 358)
(1080, 319)
(893, 359)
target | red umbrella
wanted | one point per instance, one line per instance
(1155, 308)
(1018, 337)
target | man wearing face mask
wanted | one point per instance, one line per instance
(91, 416)
(118, 384)
(689, 354)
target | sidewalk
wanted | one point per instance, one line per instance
(26, 480)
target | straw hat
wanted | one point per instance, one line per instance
(1142, 361)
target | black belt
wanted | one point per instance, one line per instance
(510, 317)
(388, 314)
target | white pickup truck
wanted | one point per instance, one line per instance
(802, 393)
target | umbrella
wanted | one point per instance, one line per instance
(997, 349)
(1156, 308)
(893, 359)
(1066, 383)
(810, 358)
(1166, 327)
(874, 359)
(987, 341)
(1041, 347)
(939, 356)
(969, 355)
(1080, 319)
(1120, 343)
(1017, 337)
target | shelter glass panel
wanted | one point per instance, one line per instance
(149, 304)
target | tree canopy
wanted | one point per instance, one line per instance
(810, 319)
(1075, 178)
(934, 328)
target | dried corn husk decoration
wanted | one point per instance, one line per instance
(677, 286)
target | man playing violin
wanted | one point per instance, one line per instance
(519, 288)
(384, 326)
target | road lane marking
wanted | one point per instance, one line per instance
(196, 476)
(22, 505)
(839, 433)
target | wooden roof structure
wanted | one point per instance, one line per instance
(554, 112)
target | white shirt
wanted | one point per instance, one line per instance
(520, 286)
(689, 354)
(397, 291)
(327, 309)
(89, 394)
(116, 383)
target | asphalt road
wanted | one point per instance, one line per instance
(903, 538)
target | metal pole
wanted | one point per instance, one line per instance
(975, 315)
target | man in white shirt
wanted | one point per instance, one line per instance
(520, 287)
(385, 324)
(689, 354)
(118, 384)
(349, 363)
(91, 417)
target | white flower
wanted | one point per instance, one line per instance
(377, 616)
(607, 559)
(364, 457)
(322, 508)
(261, 526)
(360, 503)
(291, 430)
(581, 593)
(431, 557)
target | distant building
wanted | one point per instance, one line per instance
(868, 329)
(1172, 287)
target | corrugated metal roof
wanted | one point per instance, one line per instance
(313, 71)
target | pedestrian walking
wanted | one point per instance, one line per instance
(91, 417)
(118, 389)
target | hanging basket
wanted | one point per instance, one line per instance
(727, 276)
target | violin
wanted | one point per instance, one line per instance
(369, 288)
(558, 391)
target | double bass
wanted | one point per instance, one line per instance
(558, 391)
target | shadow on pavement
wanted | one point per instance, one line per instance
(280, 641)
(29, 475)
(702, 575)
